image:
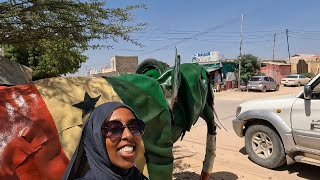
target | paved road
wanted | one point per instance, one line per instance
(231, 162)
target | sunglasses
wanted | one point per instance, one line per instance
(115, 128)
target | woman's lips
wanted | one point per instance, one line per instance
(127, 152)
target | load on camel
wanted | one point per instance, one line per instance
(41, 122)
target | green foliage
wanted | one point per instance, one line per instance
(48, 58)
(50, 35)
(28, 21)
(250, 66)
(309, 75)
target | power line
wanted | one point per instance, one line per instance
(271, 3)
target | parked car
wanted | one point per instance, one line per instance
(295, 80)
(282, 130)
(262, 83)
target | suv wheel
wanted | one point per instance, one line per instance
(264, 146)
(264, 89)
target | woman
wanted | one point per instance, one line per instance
(108, 146)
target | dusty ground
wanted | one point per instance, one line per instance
(245, 96)
(232, 161)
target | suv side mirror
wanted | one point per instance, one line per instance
(307, 92)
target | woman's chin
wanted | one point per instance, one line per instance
(126, 165)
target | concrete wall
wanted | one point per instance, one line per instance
(313, 62)
(277, 72)
(314, 67)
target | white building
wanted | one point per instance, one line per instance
(206, 57)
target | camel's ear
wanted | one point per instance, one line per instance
(176, 80)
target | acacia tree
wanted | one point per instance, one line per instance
(250, 66)
(51, 35)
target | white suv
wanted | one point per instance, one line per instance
(282, 129)
(295, 80)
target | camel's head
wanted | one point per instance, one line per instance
(187, 90)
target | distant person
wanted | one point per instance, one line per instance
(217, 80)
(217, 77)
(108, 146)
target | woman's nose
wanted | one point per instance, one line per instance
(127, 133)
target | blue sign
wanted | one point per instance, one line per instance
(204, 54)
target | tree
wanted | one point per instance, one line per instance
(250, 66)
(51, 35)
(48, 58)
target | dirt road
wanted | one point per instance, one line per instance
(232, 161)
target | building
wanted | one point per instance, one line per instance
(206, 57)
(304, 63)
(119, 65)
(276, 70)
(210, 61)
(124, 64)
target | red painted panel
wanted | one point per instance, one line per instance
(29, 142)
(277, 72)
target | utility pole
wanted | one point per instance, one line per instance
(239, 79)
(287, 33)
(274, 45)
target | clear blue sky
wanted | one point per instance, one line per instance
(211, 25)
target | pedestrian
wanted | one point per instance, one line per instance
(217, 80)
(108, 146)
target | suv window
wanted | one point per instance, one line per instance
(302, 76)
(255, 79)
(316, 92)
(266, 78)
(271, 79)
(292, 76)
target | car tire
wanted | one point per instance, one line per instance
(298, 84)
(269, 141)
(152, 64)
(264, 89)
(277, 88)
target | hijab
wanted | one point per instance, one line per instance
(90, 160)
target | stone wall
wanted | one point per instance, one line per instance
(125, 64)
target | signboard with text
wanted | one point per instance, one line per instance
(206, 57)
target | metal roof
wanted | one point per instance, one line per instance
(12, 73)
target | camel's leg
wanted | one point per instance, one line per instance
(209, 157)
(211, 142)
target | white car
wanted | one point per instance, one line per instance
(283, 129)
(295, 80)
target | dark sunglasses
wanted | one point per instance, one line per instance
(115, 128)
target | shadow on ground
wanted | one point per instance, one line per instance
(302, 170)
(223, 175)
(178, 166)
(243, 151)
(182, 171)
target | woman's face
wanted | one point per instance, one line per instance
(123, 151)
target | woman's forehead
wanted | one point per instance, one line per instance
(122, 113)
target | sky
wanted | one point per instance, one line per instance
(199, 26)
